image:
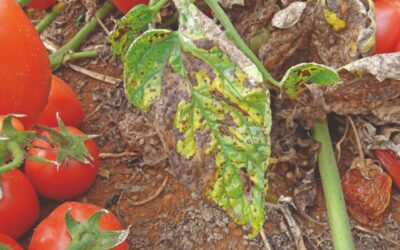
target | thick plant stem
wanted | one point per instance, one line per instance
(17, 157)
(334, 199)
(57, 58)
(235, 37)
(49, 18)
(76, 55)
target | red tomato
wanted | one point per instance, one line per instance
(25, 72)
(52, 232)
(9, 242)
(398, 47)
(387, 14)
(126, 5)
(68, 180)
(62, 99)
(19, 206)
(40, 4)
(15, 122)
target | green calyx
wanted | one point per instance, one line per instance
(12, 144)
(4, 247)
(86, 235)
(68, 145)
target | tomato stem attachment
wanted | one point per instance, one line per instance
(334, 198)
(49, 18)
(23, 3)
(17, 155)
(235, 37)
(57, 58)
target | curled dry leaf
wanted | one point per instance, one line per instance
(288, 16)
(230, 3)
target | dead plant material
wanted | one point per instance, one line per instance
(151, 197)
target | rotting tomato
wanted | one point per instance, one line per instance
(387, 15)
(19, 205)
(126, 5)
(15, 122)
(9, 243)
(40, 4)
(390, 162)
(25, 72)
(52, 232)
(62, 100)
(72, 177)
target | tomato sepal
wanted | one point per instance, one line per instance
(12, 143)
(86, 234)
(69, 145)
(4, 247)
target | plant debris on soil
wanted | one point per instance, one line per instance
(134, 181)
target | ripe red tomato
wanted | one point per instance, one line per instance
(52, 232)
(15, 122)
(126, 5)
(62, 99)
(398, 47)
(68, 180)
(40, 4)
(25, 72)
(19, 206)
(387, 14)
(10, 243)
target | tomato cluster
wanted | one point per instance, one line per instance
(60, 161)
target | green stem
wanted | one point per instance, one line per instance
(235, 37)
(159, 5)
(334, 199)
(79, 55)
(49, 18)
(23, 3)
(57, 58)
(17, 155)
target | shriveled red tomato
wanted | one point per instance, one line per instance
(9, 243)
(387, 14)
(126, 5)
(52, 232)
(15, 122)
(72, 177)
(40, 4)
(62, 99)
(19, 205)
(25, 72)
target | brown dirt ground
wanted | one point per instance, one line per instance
(176, 218)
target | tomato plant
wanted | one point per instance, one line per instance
(54, 233)
(387, 14)
(25, 73)
(126, 5)
(40, 4)
(62, 99)
(19, 205)
(8, 243)
(78, 164)
(15, 122)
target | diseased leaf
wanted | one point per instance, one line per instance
(307, 73)
(129, 27)
(232, 107)
(144, 65)
(332, 18)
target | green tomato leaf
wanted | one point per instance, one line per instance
(129, 27)
(144, 65)
(306, 73)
